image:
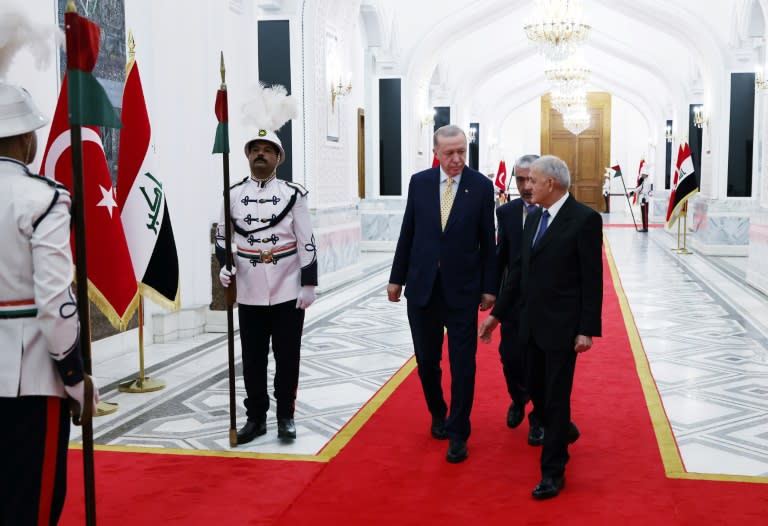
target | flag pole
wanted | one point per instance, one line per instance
(626, 195)
(143, 384)
(81, 275)
(684, 250)
(231, 290)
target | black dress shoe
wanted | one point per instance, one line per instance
(438, 428)
(548, 487)
(573, 433)
(457, 451)
(286, 428)
(250, 431)
(515, 415)
(536, 436)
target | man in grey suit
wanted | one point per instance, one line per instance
(560, 274)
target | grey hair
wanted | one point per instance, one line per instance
(554, 167)
(449, 130)
(525, 161)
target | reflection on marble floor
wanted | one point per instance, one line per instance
(705, 335)
(704, 331)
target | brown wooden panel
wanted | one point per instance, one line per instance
(586, 154)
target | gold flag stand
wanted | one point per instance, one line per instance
(142, 384)
(683, 249)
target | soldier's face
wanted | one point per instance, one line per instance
(262, 157)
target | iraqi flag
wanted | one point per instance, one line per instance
(112, 285)
(685, 185)
(670, 206)
(141, 199)
(501, 176)
(435, 162)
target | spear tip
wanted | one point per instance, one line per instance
(223, 72)
(71, 7)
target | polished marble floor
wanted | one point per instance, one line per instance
(703, 330)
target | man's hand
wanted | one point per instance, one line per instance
(393, 292)
(486, 329)
(225, 276)
(487, 301)
(582, 343)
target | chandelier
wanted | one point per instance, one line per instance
(577, 121)
(568, 101)
(557, 27)
(571, 71)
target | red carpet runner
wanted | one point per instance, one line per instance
(392, 472)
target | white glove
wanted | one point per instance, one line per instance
(306, 297)
(77, 393)
(225, 276)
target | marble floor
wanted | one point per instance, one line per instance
(703, 331)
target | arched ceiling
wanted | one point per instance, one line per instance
(655, 54)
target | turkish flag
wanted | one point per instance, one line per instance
(501, 176)
(112, 283)
(435, 162)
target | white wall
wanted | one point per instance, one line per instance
(520, 135)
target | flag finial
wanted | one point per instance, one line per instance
(223, 72)
(131, 47)
(71, 7)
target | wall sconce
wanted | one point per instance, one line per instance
(341, 87)
(760, 82)
(427, 118)
(698, 116)
(472, 134)
(668, 134)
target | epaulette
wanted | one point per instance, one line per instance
(296, 186)
(239, 183)
(49, 182)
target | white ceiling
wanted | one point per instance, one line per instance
(658, 55)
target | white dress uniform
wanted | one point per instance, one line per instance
(275, 257)
(643, 192)
(272, 237)
(38, 313)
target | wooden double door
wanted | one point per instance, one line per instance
(586, 154)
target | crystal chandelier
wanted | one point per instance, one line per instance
(557, 27)
(567, 101)
(577, 122)
(568, 74)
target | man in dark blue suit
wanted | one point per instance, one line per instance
(511, 218)
(445, 258)
(560, 275)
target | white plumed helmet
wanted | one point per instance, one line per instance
(265, 112)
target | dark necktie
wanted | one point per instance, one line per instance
(531, 208)
(542, 226)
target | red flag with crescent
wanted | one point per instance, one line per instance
(112, 283)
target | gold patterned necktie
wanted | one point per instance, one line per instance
(446, 201)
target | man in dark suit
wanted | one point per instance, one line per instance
(561, 291)
(445, 258)
(510, 219)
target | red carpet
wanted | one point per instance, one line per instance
(392, 472)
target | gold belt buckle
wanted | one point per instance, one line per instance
(266, 256)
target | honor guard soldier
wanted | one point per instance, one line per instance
(643, 192)
(40, 359)
(276, 266)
